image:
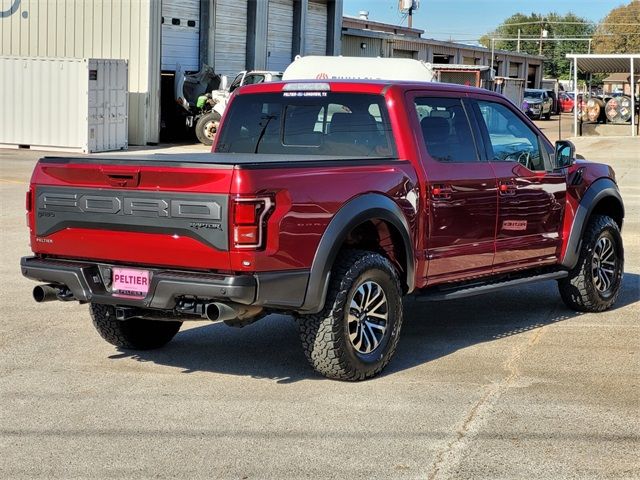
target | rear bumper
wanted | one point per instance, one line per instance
(86, 280)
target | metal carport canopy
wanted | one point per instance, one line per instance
(606, 63)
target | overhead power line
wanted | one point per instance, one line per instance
(561, 22)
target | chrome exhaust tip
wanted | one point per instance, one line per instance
(219, 312)
(222, 312)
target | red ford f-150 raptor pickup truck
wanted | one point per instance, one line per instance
(329, 201)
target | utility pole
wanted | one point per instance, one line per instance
(541, 30)
(410, 19)
(543, 34)
(518, 49)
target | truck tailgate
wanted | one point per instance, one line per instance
(148, 210)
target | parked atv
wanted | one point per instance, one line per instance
(204, 96)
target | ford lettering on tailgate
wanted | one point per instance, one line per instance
(149, 212)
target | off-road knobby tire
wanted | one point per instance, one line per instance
(134, 334)
(324, 335)
(200, 126)
(578, 290)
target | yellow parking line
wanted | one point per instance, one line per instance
(15, 182)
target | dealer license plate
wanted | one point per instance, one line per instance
(130, 282)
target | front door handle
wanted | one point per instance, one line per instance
(507, 187)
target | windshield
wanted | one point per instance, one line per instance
(534, 95)
(236, 82)
(308, 123)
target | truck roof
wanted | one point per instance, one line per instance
(363, 86)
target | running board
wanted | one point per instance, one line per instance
(453, 293)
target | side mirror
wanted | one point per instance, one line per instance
(565, 154)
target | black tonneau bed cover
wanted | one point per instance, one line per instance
(217, 160)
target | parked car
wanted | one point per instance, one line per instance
(566, 102)
(537, 103)
(330, 201)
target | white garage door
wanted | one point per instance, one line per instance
(315, 39)
(180, 34)
(280, 34)
(230, 44)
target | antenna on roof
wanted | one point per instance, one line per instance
(407, 7)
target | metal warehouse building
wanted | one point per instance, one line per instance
(155, 35)
(362, 37)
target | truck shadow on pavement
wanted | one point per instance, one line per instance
(270, 349)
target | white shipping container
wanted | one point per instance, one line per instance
(64, 103)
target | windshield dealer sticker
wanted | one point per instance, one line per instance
(304, 94)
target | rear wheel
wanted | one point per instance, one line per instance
(207, 127)
(594, 284)
(356, 334)
(135, 334)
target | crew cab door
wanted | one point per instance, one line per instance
(461, 189)
(531, 196)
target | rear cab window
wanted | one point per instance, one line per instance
(308, 123)
(446, 130)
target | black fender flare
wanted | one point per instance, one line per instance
(601, 188)
(353, 213)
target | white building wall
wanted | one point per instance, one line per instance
(118, 29)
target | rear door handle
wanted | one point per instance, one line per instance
(508, 187)
(441, 192)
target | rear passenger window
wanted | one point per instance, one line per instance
(445, 129)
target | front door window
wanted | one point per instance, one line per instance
(510, 139)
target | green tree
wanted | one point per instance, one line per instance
(557, 26)
(619, 32)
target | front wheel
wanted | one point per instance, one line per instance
(594, 284)
(134, 334)
(207, 127)
(356, 334)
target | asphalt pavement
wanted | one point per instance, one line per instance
(510, 385)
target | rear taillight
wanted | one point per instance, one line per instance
(28, 203)
(249, 221)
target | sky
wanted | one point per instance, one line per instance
(468, 20)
